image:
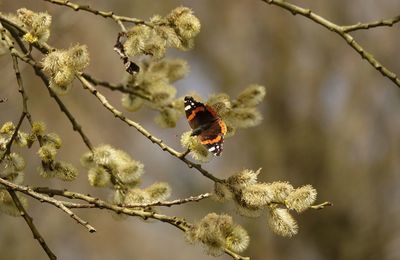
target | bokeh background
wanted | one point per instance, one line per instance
(330, 120)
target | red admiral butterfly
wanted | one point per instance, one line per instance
(206, 124)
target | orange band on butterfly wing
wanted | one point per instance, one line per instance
(212, 141)
(193, 114)
(223, 126)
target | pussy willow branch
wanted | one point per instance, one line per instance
(154, 204)
(343, 31)
(9, 42)
(43, 198)
(113, 87)
(10, 142)
(16, 32)
(28, 219)
(180, 223)
(171, 203)
(365, 26)
(13, 186)
(117, 18)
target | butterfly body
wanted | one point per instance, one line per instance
(206, 124)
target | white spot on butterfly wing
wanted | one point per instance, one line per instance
(188, 107)
(211, 149)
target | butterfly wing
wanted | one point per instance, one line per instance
(213, 137)
(193, 109)
(206, 124)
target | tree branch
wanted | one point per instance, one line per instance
(180, 223)
(340, 30)
(117, 18)
(365, 26)
(42, 198)
(171, 203)
(28, 219)
(113, 87)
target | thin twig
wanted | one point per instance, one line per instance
(234, 255)
(28, 219)
(10, 142)
(113, 87)
(100, 204)
(139, 205)
(365, 26)
(322, 205)
(117, 18)
(170, 203)
(340, 30)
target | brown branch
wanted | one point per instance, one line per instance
(147, 205)
(42, 198)
(113, 87)
(170, 203)
(100, 204)
(28, 219)
(180, 223)
(340, 30)
(10, 142)
(365, 26)
(117, 18)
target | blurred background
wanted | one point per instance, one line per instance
(330, 120)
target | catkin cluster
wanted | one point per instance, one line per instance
(175, 30)
(154, 82)
(62, 65)
(12, 166)
(50, 143)
(7, 130)
(252, 197)
(216, 232)
(239, 113)
(115, 169)
(11, 169)
(37, 25)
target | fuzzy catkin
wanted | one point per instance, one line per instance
(301, 198)
(282, 223)
(197, 150)
(216, 232)
(62, 65)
